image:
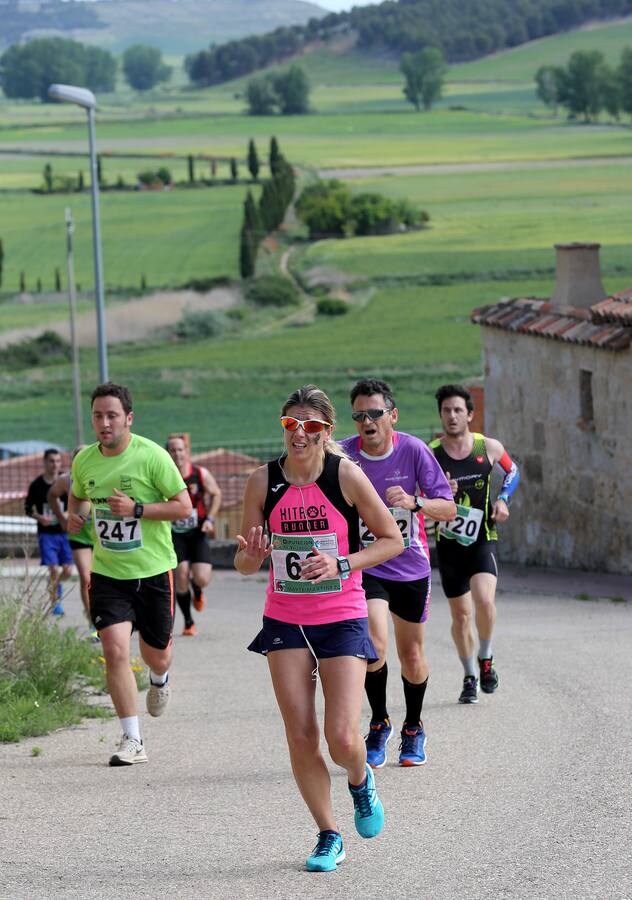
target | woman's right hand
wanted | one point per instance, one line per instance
(256, 547)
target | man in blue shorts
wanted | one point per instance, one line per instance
(53, 544)
(410, 481)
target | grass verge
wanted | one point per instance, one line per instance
(47, 673)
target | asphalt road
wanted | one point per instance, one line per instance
(525, 795)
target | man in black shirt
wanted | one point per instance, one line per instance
(53, 544)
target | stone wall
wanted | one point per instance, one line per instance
(574, 505)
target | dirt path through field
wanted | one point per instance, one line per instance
(133, 320)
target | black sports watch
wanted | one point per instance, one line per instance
(419, 503)
(139, 509)
(343, 567)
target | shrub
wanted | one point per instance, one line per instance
(272, 290)
(331, 306)
(201, 324)
(45, 349)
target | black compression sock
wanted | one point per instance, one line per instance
(414, 696)
(184, 602)
(375, 687)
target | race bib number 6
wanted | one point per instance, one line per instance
(118, 533)
(465, 527)
(289, 551)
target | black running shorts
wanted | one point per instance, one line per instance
(148, 603)
(457, 564)
(191, 546)
(409, 600)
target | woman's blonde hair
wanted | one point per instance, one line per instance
(310, 395)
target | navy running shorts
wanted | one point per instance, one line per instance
(347, 638)
(410, 600)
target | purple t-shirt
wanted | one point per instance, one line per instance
(413, 466)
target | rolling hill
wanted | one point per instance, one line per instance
(176, 28)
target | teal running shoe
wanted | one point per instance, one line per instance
(369, 812)
(327, 853)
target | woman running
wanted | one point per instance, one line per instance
(303, 510)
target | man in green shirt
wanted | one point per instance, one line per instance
(133, 490)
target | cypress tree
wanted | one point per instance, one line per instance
(57, 280)
(191, 165)
(253, 160)
(1, 260)
(22, 282)
(247, 253)
(275, 155)
(233, 168)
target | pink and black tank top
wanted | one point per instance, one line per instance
(298, 519)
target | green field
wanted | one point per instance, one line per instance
(491, 235)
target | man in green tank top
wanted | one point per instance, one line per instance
(132, 489)
(466, 546)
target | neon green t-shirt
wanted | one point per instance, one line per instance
(126, 547)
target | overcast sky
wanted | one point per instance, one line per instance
(339, 5)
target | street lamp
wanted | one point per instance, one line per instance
(68, 93)
(76, 381)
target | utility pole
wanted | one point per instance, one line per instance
(72, 302)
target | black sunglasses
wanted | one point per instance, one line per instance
(371, 414)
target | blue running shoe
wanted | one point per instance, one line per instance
(58, 610)
(369, 812)
(376, 740)
(327, 853)
(413, 747)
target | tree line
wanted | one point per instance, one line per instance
(587, 85)
(27, 70)
(461, 29)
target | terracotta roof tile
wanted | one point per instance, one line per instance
(607, 325)
(617, 308)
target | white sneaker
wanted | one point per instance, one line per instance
(129, 751)
(158, 698)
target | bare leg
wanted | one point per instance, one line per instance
(463, 625)
(115, 640)
(201, 574)
(409, 637)
(83, 562)
(343, 686)
(483, 587)
(378, 630)
(294, 688)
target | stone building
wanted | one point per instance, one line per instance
(558, 393)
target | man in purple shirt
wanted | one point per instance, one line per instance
(409, 480)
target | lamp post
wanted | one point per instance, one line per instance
(76, 382)
(68, 93)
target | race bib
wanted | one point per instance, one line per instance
(47, 511)
(187, 524)
(288, 551)
(465, 527)
(119, 533)
(404, 519)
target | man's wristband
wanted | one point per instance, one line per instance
(210, 519)
(504, 498)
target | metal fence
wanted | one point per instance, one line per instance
(230, 465)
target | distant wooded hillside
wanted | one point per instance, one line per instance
(174, 27)
(462, 29)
